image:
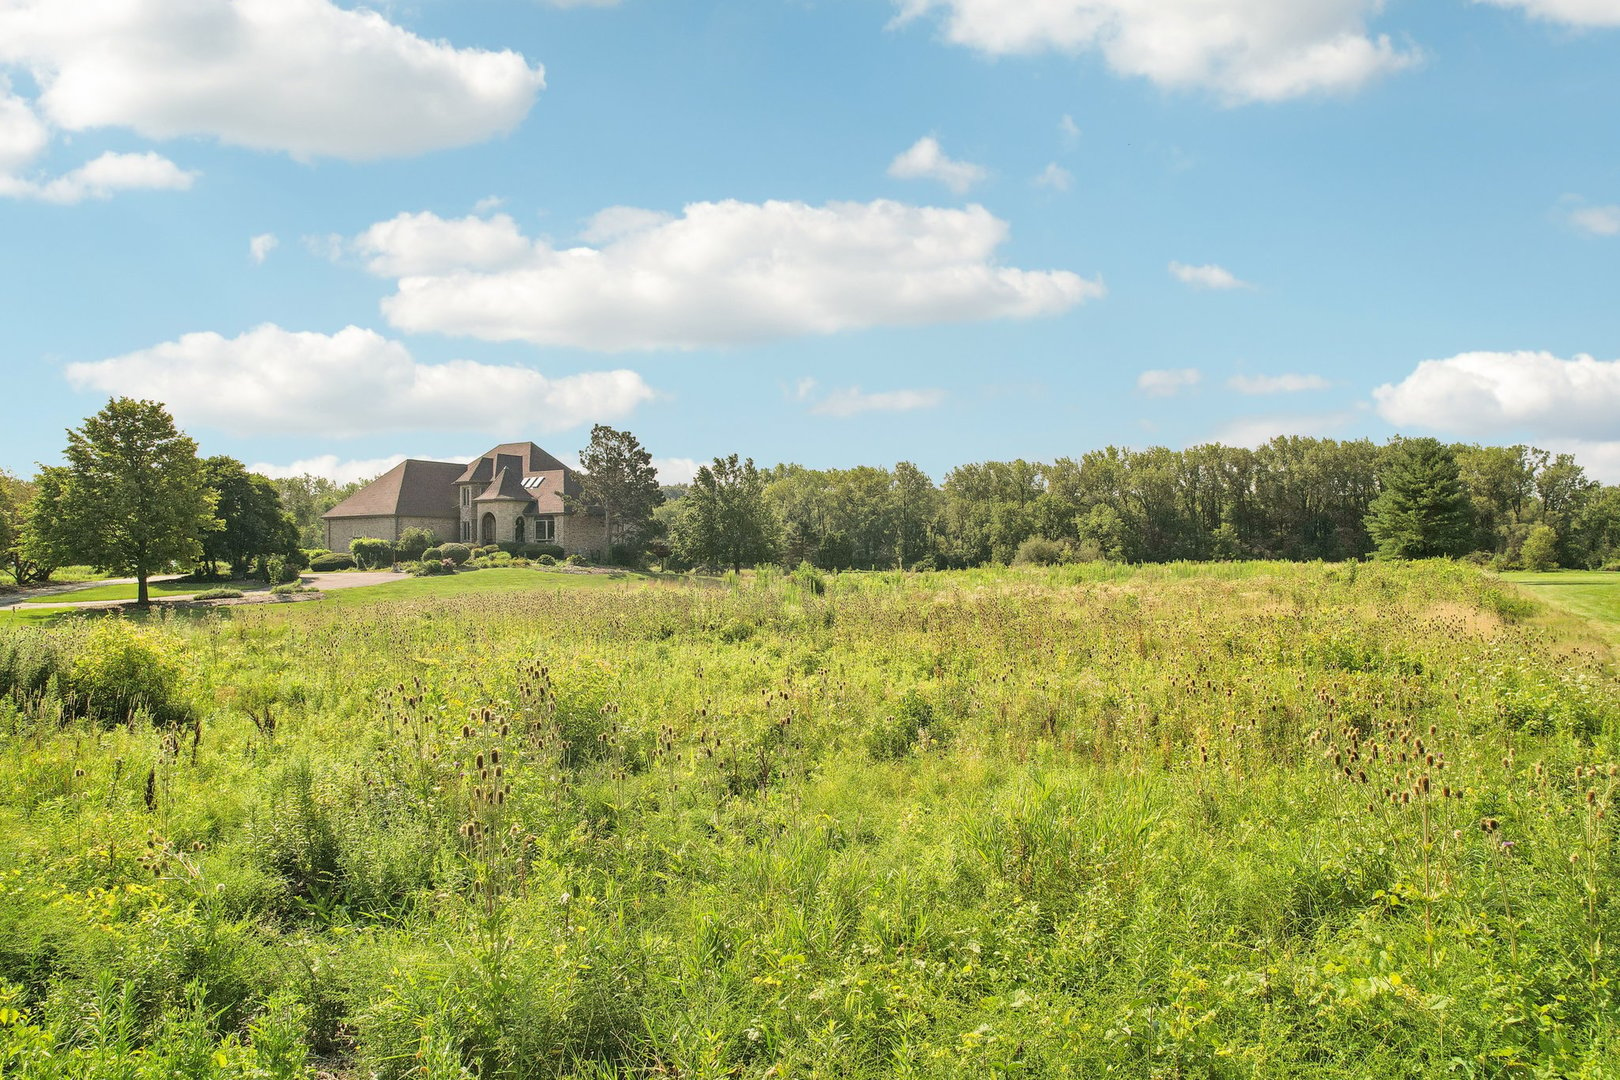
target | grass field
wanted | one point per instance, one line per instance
(125, 592)
(1251, 820)
(1591, 594)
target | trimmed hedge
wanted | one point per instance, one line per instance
(330, 562)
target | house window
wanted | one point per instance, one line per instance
(466, 531)
(545, 529)
(466, 496)
(517, 530)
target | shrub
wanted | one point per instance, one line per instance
(121, 668)
(370, 553)
(576, 560)
(431, 567)
(1039, 551)
(331, 561)
(297, 559)
(456, 553)
(432, 554)
(534, 551)
(218, 594)
(509, 547)
(809, 579)
(545, 560)
(289, 589)
(414, 542)
(1540, 551)
(280, 572)
(487, 549)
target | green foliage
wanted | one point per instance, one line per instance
(1540, 550)
(431, 567)
(218, 594)
(456, 553)
(325, 564)
(133, 497)
(1422, 510)
(432, 554)
(288, 589)
(1088, 820)
(619, 478)
(251, 524)
(121, 668)
(278, 571)
(414, 542)
(724, 519)
(1039, 551)
(371, 553)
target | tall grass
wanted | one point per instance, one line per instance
(1229, 820)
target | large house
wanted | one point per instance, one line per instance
(515, 493)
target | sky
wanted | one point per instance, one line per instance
(833, 232)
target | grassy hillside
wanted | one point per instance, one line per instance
(1178, 821)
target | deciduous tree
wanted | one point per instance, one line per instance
(724, 519)
(133, 497)
(621, 479)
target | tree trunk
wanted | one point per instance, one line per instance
(142, 600)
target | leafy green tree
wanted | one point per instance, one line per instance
(1540, 551)
(307, 497)
(16, 497)
(414, 541)
(724, 520)
(621, 479)
(1422, 510)
(916, 509)
(133, 497)
(251, 522)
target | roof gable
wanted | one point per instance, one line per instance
(413, 488)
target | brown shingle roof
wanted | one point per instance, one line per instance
(531, 459)
(507, 487)
(412, 488)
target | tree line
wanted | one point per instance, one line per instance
(135, 498)
(1294, 498)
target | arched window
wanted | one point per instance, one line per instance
(517, 530)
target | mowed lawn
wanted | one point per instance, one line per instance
(1591, 594)
(128, 592)
(515, 579)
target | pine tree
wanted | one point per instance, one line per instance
(1422, 510)
(621, 479)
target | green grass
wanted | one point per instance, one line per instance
(1591, 594)
(477, 582)
(121, 592)
(1158, 822)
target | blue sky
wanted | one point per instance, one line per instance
(835, 232)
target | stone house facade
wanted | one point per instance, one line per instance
(515, 493)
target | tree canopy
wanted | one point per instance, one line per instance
(1422, 509)
(723, 519)
(133, 497)
(619, 477)
(251, 521)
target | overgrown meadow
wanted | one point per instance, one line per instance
(1250, 820)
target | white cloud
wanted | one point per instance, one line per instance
(102, 178)
(488, 203)
(1599, 457)
(1056, 177)
(1570, 12)
(1255, 431)
(22, 136)
(852, 400)
(415, 244)
(723, 273)
(924, 160)
(303, 76)
(1168, 382)
(676, 470)
(1277, 384)
(615, 222)
(1597, 220)
(1485, 394)
(1207, 277)
(335, 469)
(270, 380)
(260, 247)
(1069, 129)
(1244, 50)
(804, 388)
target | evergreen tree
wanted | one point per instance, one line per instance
(1422, 510)
(621, 479)
(133, 498)
(724, 519)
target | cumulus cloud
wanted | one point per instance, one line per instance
(853, 400)
(269, 380)
(676, 470)
(1597, 220)
(102, 178)
(1167, 382)
(23, 137)
(1056, 177)
(1252, 431)
(1244, 50)
(1487, 394)
(924, 160)
(1568, 12)
(302, 76)
(1207, 277)
(1277, 384)
(336, 469)
(260, 247)
(723, 273)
